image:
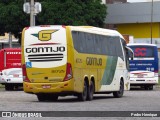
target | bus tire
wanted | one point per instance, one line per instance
(83, 96)
(151, 87)
(9, 87)
(119, 93)
(90, 91)
(52, 97)
(41, 97)
(147, 87)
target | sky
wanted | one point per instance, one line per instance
(141, 0)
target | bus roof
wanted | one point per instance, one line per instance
(89, 29)
(96, 30)
(142, 44)
(10, 49)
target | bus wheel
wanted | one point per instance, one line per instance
(52, 97)
(148, 87)
(41, 97)
(83, 96)
(119, 93)
(90, 91)
(151, 87)
(9, 87)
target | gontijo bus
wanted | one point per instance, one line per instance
(74, 60)
(144, 67)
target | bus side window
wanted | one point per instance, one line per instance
(131, 54)
(127, 58)
(98, 44)
(90, 43)
(126, 53)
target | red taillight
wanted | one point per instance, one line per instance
(63, 26)
(156, 73)
(25, 77)
(26, 28)
(68, 75)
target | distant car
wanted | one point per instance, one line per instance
(11, 78)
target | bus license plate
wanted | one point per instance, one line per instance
(46, 86)
(15, 75)
(140, 76)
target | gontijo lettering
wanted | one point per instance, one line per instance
(94, 61)
(45, 49)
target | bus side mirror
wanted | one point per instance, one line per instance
(132, 57)
(130, 53)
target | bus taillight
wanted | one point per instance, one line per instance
(156, 73)
(25, 78)
(68, 75)
(26, 28)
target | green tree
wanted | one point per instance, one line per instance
(12, 17)
(55, 12)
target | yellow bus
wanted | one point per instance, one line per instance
(62, 60)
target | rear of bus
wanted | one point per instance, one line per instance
(144, 67)
(46, 66)
(9, 58)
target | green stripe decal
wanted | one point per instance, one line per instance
(109, 70)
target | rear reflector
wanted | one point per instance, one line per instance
(25, 77)
(68, 75)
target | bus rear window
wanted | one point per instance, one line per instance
(142, 51)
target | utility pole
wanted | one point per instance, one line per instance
(32, 17)
(10, 39)
(151, 20)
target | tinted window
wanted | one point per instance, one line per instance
(90, 39)
(97, 44)
(76, 40)
(82, 42)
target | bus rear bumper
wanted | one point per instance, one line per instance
(143, 81)
(58, 87)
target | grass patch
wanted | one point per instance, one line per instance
(1, 86)
(159, 78)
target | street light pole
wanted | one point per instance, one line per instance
(32, 23)
(32, 8)
(10, 39)
(151, 20)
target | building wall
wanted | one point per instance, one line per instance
(140, 30)
(132, 13)
(6, 37)
(142, 33)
